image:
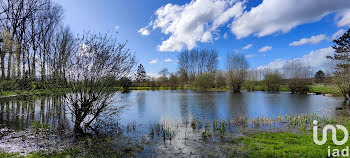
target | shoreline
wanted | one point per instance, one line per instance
(329, 91)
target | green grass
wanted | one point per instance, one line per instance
(63, 154)
(324, 89)
(264, 88)
(285, 144)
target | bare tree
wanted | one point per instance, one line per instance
(195, 62)
(163, 76)
(236, 71)
(63, 45)
(251, 79)
(97, 59)
(298, 76)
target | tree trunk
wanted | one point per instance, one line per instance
(43, 69)
(78, 130)
(18, 62)
(25, 75)
(2, 66)
(9, 64)
(28, 63)
(33, 63)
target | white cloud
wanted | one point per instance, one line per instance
(338, 34)
(168, 60)
(225, 36)
(117, 27)
(199, 20)
(345, 20)
(144, 32)
(273, 16)
(153, 75)
(154, 61)
(265, 49)
(249, 56)
(314, 59)
(194, 22)
(312, 40)
(247, 46)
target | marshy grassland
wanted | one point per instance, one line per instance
(288, 136)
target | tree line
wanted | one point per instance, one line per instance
(199, 68)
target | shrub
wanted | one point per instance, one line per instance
(204, 81)
(273, 81)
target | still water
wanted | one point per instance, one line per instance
(146, 107)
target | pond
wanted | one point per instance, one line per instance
(149, 107)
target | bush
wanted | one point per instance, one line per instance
(250, 85)
(204, 81)
(220, 79)
(273, 81)
(125, 83)
(8, 85)
(299, 85)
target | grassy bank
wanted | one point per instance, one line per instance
(285, 144)
(321, 89)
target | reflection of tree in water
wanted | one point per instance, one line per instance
(205, 107)
(298, 103)
(141, 101)
(20, 112)
(237, 104)
(183, 104)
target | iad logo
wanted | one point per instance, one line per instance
(332, 152)
(334, 134)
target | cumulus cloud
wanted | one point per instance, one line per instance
(338, 34)
(314, 59)
(273, 16)
(265, 49)
(312, 40)
(194, 22)
(200, 20)
(345, 20)
(168, 60)
(144, 31)
(247, 46)
(154, 61)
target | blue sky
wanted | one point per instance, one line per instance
(224, 25)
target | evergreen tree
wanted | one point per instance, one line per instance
(342, 57)
(319, 76)
(140, 74)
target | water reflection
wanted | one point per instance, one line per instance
(183, 106)
(141, 101)
(20, 113)
(147, 107)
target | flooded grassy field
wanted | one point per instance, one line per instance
(163, 123)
